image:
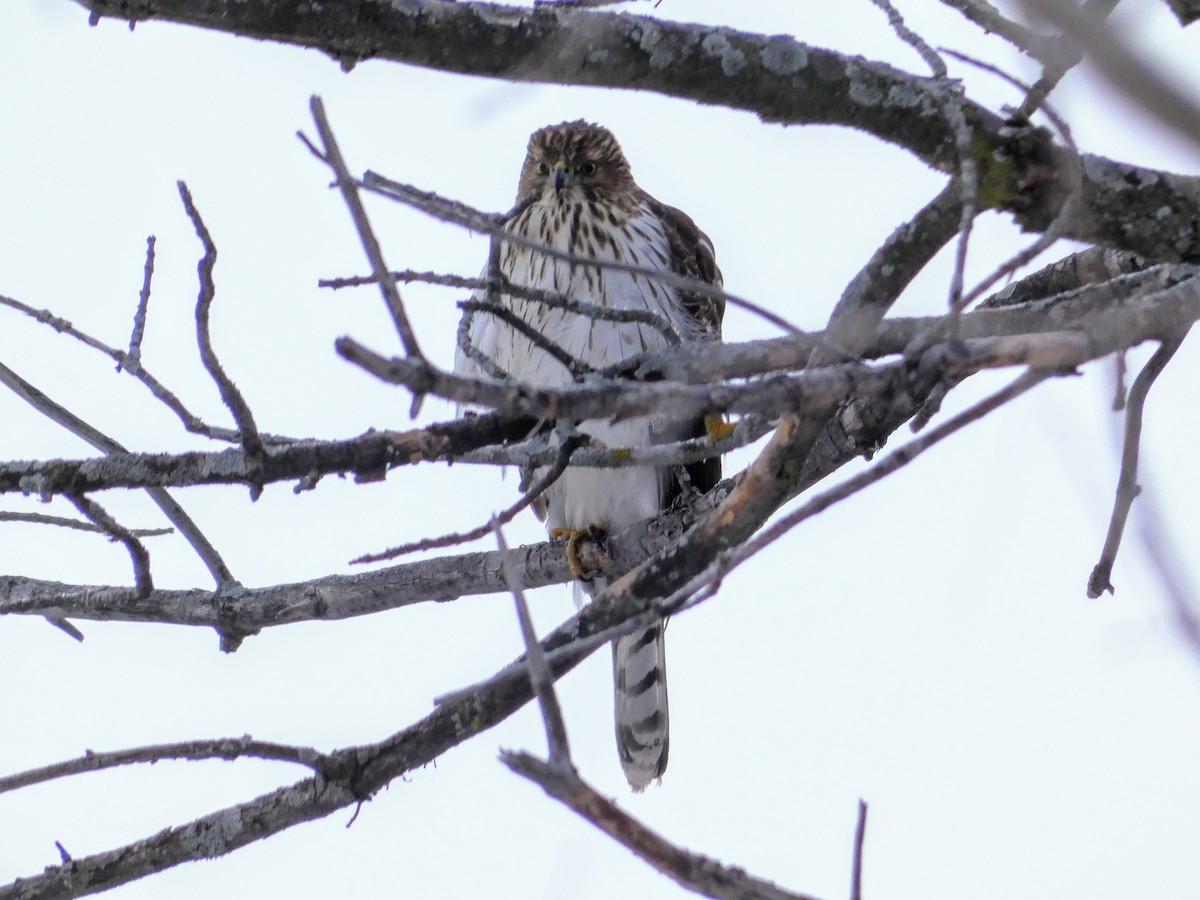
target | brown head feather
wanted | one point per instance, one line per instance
(592, 159)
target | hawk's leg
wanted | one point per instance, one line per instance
(573, 537)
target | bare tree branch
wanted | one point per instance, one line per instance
(539, 670)
(1127, 70)
(696, 873)
(221, 748)
(143, 583)
(871, 293)
(561, 461)
(1070, 57)
(860, 834)
(776, 77)
(170, 508)
(75, 524)
(494, 224)
(546, 298)
(134, 356)
(126, 363)
(1127, 486)
(230, 394)
(1048, 50)
(379, 270)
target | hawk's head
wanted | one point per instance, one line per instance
(572, 162)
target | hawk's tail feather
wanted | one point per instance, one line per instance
(640, 699)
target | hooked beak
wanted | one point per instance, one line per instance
(559, 174)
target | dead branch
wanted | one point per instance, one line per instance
(230, 395)
(561, 461)
(77, 426)
(696, 873)
(126, 362)
(75, 524)
(221, 748)
(1127, 486)
(143, 583)
(379, 270)
(133, 356)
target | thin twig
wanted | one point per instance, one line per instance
(936, 64)
(230, 394)
(891, 268)
(494, 224)
(1044, 48)
(134, 357)
(221, 748)
(572, 364)
(1072, 176)
(164, 395)
(63, 522)
(692, 871)
(894, 461)
(562, 459)
(102, 442)
(65, 627)
(1127, 487)
(143, 583)
(535, 660)
(967, 180)
(551, 299)
(1070, 57)
(860, 835)
(1131, 72)
(539, 452)
(1120, 373)
(379, 270)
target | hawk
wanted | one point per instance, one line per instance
(577, 195)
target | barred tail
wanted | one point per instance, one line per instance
(640, 689)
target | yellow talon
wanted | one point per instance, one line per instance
(573, 535)
(718, 426)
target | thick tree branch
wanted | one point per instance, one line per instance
(1104, 333)
(1094, 322)
(776, 77)
(367, 457)
(355, 774)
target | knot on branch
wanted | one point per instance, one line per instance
(1021, 174)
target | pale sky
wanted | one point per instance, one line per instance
(927, 646)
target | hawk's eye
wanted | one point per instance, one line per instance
(543, 168)
(588, 168)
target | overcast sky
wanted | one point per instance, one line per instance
(927, 646)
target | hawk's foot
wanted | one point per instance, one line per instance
(718, 426)
(573, 536)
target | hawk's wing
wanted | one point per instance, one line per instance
(692, 256)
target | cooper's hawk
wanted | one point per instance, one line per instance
(577, 195)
